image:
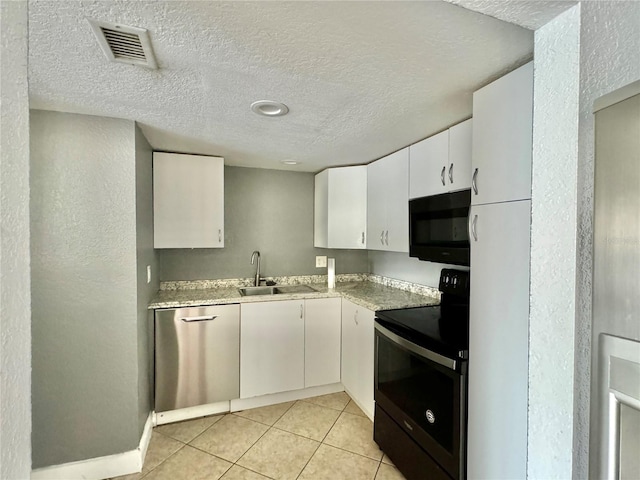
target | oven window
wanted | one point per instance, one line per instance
(418, 386)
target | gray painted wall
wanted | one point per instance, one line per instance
(266, 210)
(403, 267)
(15, 292)
(145, 255)
(85, 311)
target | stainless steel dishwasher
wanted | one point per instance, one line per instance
(197, 353)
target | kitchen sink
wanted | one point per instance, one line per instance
(248, 291)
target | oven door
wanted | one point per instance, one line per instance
(425, 394)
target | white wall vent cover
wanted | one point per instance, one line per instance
(124, 44)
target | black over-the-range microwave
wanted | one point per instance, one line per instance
(438, 227)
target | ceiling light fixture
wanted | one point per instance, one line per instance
(269, 108)
(289, 162)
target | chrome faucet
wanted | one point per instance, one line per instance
(255, 255)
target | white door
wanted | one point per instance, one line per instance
(498, 340)
(459, 170)
(396, 168)
(358, 355)
(502, 138)
(428, 161)
(376, 205)
(271, 347)
(347, 215)
(188, 201)
(322, 334)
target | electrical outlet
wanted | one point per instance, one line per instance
(321, 261)
(148, 273)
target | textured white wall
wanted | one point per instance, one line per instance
(553, 247)
(15, 293)
(609, 59)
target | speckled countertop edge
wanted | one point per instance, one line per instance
(370, 291)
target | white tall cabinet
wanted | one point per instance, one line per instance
(188, 201)
(358, 354)
(500, 219)
(388, 203)
(340, 208)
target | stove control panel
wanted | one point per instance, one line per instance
(455, 282)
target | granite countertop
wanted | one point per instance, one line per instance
(366, 293)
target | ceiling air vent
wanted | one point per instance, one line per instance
(124, 44)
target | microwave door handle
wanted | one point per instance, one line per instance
(444, 169)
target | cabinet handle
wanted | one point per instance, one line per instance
(386, 238)
(301, 311)
(473, 181)
(363, 238)
(203, 318)
(355, 317)
(219, 235)
(382, 237)
(451, 173)
(442, 174)
(473, 227)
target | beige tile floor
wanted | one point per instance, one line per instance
(323, 438)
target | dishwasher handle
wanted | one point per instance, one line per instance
(202, 318)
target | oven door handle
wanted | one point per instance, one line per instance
(418, 350)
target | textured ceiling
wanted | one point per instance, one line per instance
(528, 14)
(361, 79)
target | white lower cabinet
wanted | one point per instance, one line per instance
(357, 354)
(499, 340)
(271, 347)
(322, 333)
(289, 345)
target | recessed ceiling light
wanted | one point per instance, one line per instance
(290, 162)
(269, 108)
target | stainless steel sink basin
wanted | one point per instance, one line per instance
(248, 291)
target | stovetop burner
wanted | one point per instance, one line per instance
(443, 328)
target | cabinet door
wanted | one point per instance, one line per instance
(498, 340)
(322, 333)
(358, 354)
(271, 347)
(321, 210)
(188, 201)
(397, 199)
(459, 170)
(502, 138)
(376, 205)
(428, 161)
(347, 210)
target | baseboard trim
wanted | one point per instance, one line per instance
(101, 467)
(171, 416)
(272, 399)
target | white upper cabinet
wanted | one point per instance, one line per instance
(441, 163)
(460, 146)
(502, 138)
(340, 215)
(188, 201)
(428, 161)
(388, 203)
